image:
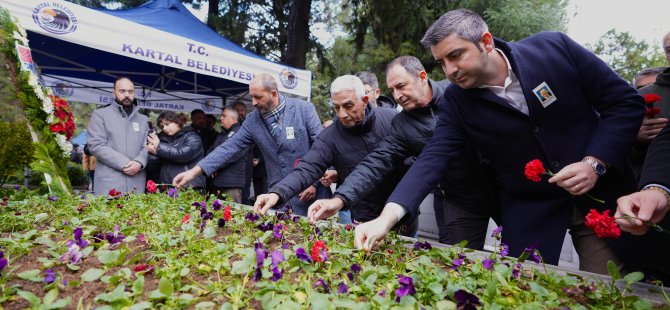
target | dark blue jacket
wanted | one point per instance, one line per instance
(343, 148)
(234, 174)
(596, 113)
(177, 154)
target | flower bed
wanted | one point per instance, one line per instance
(173, 250)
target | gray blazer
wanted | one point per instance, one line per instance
(300, 126)
(114, 138)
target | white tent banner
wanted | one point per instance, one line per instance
(91, 28)
(86, 91)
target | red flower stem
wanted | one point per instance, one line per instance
(648, 223)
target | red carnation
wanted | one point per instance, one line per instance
(651, 98)
(151, 186)
(603, 224)
(146, 268)
(186, 219)
(114, 193)
(227, 214)
(319, 246)
(534, 170)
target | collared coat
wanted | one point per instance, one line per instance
(595, 113)
(115, 138)
(300, 126)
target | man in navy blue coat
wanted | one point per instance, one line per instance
(283, 129)
(544, 97)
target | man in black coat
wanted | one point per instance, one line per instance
(230, 179)
(650, 205)
(356, 132)
(471, 194)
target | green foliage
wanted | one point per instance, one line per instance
(76, 174)
(626, 55)
(192, 270)
(16, 149)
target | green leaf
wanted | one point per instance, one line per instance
(40, 217)
(118, 294)
(436, 288)
(613, 270)
(109, 258)
(633, 277)
(205, 305)
(92, 274)
(537, 289)
(165, 287)
(445, 305)
(59, 304)
(138, 286)
(30, 297)
(184, 272)
(50, 296)
(141, 306)
(31, 275)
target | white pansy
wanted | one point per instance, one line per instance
(64, 145)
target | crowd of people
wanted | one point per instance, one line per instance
(466, 139)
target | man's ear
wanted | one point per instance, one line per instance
(487, 42)
(423, 76)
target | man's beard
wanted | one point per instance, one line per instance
(126, 101)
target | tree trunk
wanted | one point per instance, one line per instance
(298, 33)
(213, 13)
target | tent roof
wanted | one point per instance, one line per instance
(154, 13)
(160, 45)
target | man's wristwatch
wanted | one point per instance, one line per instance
(598, 168)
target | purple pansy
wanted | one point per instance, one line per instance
(488, 263)
(355, 268)
(277, 257)
(504, 249)
(172, 193)
(422, 245)
(497, 232)
(50, 276)
(78, 232)
(302, 255)
(252, 217)
(264, 226)
(382, 293)
(277, 231)
(3, 261)
(350, 276)
(320, 283)
(53, 198)
(466, 301)
(221, 222)
(261, 254)
(516, 270)
(72, 255)
(532, 253)
(285, 245)
(116, 236)
(406, 287)
(296, 219)
(342, 288)
(17, 187)
(216, 205)
(317, 231)
(208, 216)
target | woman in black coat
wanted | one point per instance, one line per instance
(177, 148)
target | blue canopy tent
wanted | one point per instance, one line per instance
(160, 45)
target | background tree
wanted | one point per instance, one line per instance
(626, 55)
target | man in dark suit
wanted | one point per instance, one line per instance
(581, 131)
(650, 205)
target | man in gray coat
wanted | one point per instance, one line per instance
(116, 136)
(283, 129)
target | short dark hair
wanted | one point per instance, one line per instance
(462, 22)
(170, 117)
(122, 78)
(410, 63)
(197, 111)
(210, 116)
(369, 78)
